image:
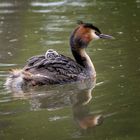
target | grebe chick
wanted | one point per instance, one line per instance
(54, 68)
(51, 54)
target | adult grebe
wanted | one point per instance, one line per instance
(54, 68)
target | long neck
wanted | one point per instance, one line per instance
(80, 55)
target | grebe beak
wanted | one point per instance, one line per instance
(104, 36)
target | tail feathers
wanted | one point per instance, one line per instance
(19, 79)
(14, 73)
(15, 79)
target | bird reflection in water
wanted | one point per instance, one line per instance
(82, 115)
(77, 95)
(85, 119)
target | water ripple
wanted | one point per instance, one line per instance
(7, 65)
(3, 75)
(7, 11)
(81, 4)
(47, 4)
(41, 11)
(55, 118)
(7, 113)
(100, 83)
(54, 42)
(6, 4)
(5, 100)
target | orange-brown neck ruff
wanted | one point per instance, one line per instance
(84, 34)
(81, 37)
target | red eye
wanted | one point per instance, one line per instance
(97, 33)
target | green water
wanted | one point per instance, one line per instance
(31, 27)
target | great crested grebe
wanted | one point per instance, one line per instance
(55, 68)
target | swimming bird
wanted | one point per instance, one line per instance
(55, 68)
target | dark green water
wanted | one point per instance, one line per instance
(31, 27)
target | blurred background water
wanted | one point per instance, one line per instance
(65, 112)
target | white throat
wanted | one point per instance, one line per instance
(94, 36)
(88, 63)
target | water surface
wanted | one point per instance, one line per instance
(31, 27)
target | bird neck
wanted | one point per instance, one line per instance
(84, 60)
(80, 55)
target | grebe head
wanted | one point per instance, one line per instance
(86, 32)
